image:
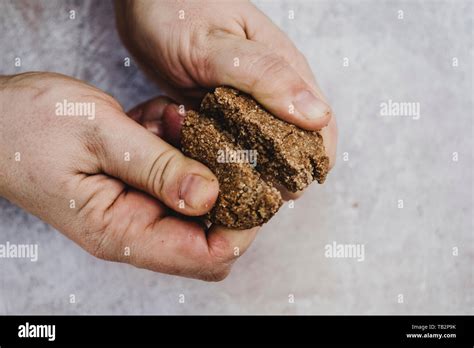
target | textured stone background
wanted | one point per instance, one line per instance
(408, 250)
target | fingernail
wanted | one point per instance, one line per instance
(194, 190)
(310, 106)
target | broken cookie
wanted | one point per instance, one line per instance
(231, 122)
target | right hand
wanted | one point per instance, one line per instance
(192, 46)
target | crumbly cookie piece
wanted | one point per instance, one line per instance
(288, 155)
(230, 120)
(245, 200)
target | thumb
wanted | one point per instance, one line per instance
(141, 159)
(253, 68)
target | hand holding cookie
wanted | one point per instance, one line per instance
(107, 183)
(191, 47)
(125, 194)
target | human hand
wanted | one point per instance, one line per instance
(192, 46)
(106, 182)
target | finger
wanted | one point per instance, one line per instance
(173, 118)
(261, 29)
(127, 225)
(228, 244)
(180, 247)
(129, 152)
(269, 78)
(162, 117)
(150, 110)
(169, 244)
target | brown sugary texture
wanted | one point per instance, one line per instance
(286, 155)
(245, 200)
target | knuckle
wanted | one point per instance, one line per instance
(98, 251)
(92, 141)
(194, 40)
(161, 171)
(96, 244)
(219, 261)
(216, 274)
(220, 251)
(104, 237)
(201, 55)
(108, 243)
(267, 66)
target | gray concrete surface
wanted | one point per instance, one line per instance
(408, 251)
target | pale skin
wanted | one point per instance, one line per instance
(125, 182)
